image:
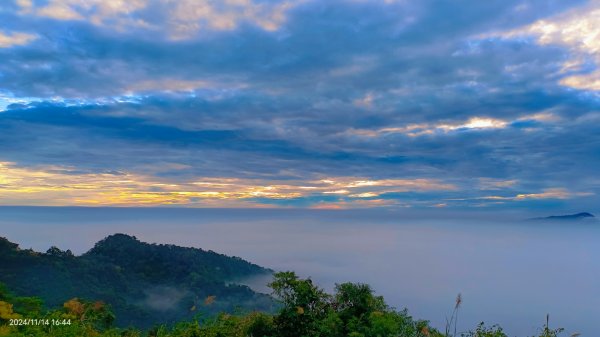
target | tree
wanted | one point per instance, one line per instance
(304, 306)
(483, 331)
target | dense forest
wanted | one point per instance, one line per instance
(80, 296)
(304, 311)
(144, 283)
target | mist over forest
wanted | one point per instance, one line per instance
(418, 260)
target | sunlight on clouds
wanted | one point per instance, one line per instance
(550, 193)
(13, 39)
(183, 18)
(343, 185)
(361, 183)
(553, 193)
(190, 16)
(412, 130)
(99, 12)
(337, 192)
(364, 195)
(543, 117)
(474, 123)
(52, 185)
(25, 4)
(367, 189)
(590, 81)
(579, 30)
(59, 11)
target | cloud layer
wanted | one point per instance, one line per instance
(435, 104)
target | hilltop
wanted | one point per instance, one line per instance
(568, 217)
(144, 283)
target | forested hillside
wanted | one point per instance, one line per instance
(145, 284)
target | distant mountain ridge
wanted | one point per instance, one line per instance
(576, 216)
(144, 283)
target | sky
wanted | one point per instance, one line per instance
(464, 105)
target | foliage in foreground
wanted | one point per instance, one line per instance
(306, 311)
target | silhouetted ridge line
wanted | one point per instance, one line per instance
(576, 216)
(144, 283)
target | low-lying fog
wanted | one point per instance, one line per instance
(509, 271)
